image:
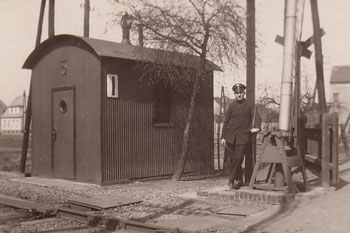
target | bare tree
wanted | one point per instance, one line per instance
(268, 96)
(269, 100)
(210, 29)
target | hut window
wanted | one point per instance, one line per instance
(162, 105)
(112, 85)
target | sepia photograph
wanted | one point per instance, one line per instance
(174, 116)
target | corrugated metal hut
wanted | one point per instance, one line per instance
(94, 120)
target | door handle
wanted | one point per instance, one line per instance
(54, 134)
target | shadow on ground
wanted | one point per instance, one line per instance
(285, 209)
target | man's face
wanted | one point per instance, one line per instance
(239, 95)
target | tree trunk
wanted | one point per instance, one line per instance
(182, 161)
(86, 18)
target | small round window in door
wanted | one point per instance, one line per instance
(63, 106)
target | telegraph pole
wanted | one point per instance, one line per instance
(250, 50)
(28, 110)
(318, 56)
(250, 80)
(51, 23)
(86, 18)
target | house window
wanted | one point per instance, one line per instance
(335, 97)
(112, 86)
(162, 104)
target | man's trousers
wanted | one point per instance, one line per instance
(236, 154)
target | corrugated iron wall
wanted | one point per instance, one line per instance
(133, 146)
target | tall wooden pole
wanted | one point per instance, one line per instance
(250, 50)
(40, 23)
(51, 18)
(24, 110)
(28, 113)
(318, 56)
(250, 80)
(86, 18)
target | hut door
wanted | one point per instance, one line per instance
(62, 132)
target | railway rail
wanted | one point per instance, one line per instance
(28, 216)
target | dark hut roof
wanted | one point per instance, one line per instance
(340, 74)
(104, 48)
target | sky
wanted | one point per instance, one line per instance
(19, 19)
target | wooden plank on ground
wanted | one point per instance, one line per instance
(40, 221)
(102, 202)
(5, 218)
(26, 204)
(241, 210)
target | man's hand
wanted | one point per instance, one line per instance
(254, 130)
(223, 142)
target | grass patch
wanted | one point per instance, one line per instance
(13, 141)
(10, 153)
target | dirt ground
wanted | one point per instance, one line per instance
(163, 200)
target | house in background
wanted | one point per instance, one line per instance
(339, 91)
(12, 121)
(2, 110)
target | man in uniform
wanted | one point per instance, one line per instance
(239, 125)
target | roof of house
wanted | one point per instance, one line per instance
(17, 102)
(2, 107)
(110, 49)
(340, 74)
(2, 104)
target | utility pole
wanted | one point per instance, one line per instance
(318, 56)
(51, 18)
(24, 110)
(250, 80)
(28, 113)
(250, 50)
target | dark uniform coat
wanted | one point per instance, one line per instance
(238, 122)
